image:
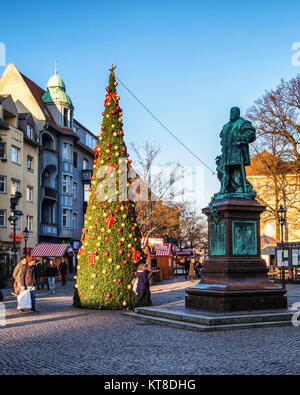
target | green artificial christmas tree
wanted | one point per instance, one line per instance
(111, 251)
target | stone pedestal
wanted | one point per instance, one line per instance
(235, 277)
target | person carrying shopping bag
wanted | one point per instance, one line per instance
(142, 285)
(28, 283)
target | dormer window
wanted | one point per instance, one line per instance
(65, 117)
(29, 131)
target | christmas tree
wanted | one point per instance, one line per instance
(111, 249)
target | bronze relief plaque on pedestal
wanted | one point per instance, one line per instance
(244, 238)
(217, 238)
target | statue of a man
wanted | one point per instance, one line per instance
(235, 138)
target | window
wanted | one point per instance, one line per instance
(74, 221)
(86, 192)
(29, 223)
(85, 164)
(29, 194)
(90, 141)
(2, 151)
(65, 117)
(2, 184)
(75, 190)
(2, 219)
(15, 187)
(75, 160)
(29, 131)
(66, 184)
(14, 154)
(66, 218)
(67, 152)
(29, 162)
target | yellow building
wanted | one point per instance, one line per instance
(18, 172)
(277, 183)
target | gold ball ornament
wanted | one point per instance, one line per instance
(109, 260)
(124, 304)
(104, 271)
(118, 267)
(129, 286)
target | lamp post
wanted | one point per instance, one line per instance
(281, 212)
(25, 235)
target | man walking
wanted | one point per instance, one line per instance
(63, 267)
(28, 281)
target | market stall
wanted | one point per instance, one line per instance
(180, 257)
(58, 252)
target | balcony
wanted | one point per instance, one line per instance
(86, 175)
(49, 193)
(48, 230)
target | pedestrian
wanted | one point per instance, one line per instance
(51, 273)
(148, 300)
(186, 267)
(17, 274)
(28, 281)
(192, 269)
(142, 285)
(39, 273)
(44, 279)
(63, 268)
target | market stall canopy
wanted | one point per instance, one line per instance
(51, 250)
(267, 241)
(185, 252)
(164, 250)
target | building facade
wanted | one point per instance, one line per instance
(65, 159)
(19, 153)
(277, 183)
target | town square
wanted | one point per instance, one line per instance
(150, 191)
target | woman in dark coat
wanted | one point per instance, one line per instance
(142, 285)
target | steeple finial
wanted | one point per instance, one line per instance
(55, 67)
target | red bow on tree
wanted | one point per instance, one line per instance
(109, 96)
(110, 220)
(84, 231)
(136, 255)
(92, 257)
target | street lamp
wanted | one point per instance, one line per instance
(26, 235)
(281, 212)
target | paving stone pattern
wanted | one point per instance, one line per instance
(65, 340)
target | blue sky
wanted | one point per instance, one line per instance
(188, 61)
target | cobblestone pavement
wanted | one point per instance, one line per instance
(65, 340)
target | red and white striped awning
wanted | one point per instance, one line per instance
(164, 250)
(50, 250)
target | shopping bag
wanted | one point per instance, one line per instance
(24, 300)
(16, 288)
(135, 285)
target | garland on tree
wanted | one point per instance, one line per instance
(111, 250)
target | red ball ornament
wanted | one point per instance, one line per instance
(121, 133)
(106, 238)
(102, 127)
(133, 227)
(80, 293)
(106, 253)
(123, 149)
(108, 145)
(119, 280)
(107, 158)
(113, 112)
(127, 207)
(105, 206)
(120, 252)
(125, 261)
(119, 243)
(107, 89)
(120, 201)
(128, 255)
(119, 230)
(108, 295)
(95, 227)
(127, 200)
(90, 189)
(99, 201)
(116, 210)
(103, 113)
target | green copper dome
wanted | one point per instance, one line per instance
(56, 91)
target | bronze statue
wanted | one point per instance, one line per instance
(235, 138)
